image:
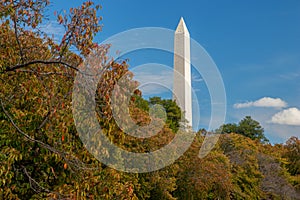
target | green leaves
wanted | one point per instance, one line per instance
(42, 156)
(172, 109)
(292, 153)
(247, 127)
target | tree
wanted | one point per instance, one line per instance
(292, 153)
(247, 127)
(275, 183)
(252, 129)
(246, 177)
(172, 109)
(207, 178)
(228, 128)
(41, 154)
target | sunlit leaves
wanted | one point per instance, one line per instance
(25, 13)
(81, 25)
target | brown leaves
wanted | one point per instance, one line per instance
(60, 19)
(82, 24)
(26, 13)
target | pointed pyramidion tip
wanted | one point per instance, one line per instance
(181, 28)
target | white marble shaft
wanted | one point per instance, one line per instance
(182, 93)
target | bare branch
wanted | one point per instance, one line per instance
(26, 135)
(74, 161)
(49, 62)
(44, 121)
(17, 39)
(46, 73)
(36, 186)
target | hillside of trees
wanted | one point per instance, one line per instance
(43, 157)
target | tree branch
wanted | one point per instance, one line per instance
(76, 162)
(46, 62)
(35, 186)
(27, 136)
(17, 38)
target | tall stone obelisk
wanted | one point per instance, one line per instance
(182, 93)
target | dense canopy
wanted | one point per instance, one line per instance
(42, 156)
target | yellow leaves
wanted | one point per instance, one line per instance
(295, 179)
(30, 3)
(12, 154)
(60, 19)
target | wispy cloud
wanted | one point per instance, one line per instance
(153, 83)
(196, 78)
(290, 116)
(53, 28)
(290, 76)
(263, 102)
(279, 133)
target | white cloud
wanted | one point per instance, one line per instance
(289, 116)
(276, 133)
(154, 89)
(263, 102)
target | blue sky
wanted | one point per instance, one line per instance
(255, 45)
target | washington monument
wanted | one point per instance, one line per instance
(182, 93)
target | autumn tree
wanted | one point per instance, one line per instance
(293, 155)
(246, 177)
(275, 183)
(41, 152)
(206, 178)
